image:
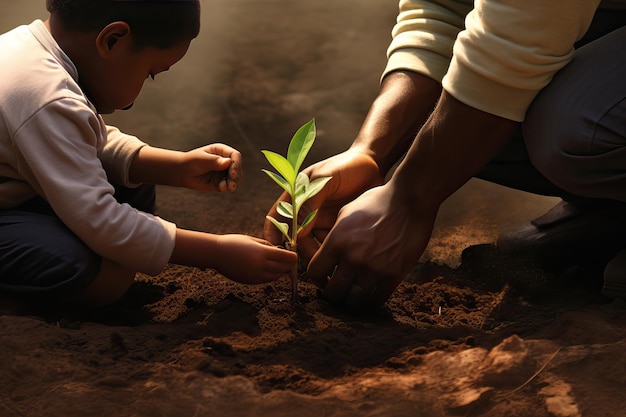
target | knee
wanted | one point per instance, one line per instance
(574, 129)
(111, 283)
(39, 256)
(566, 170)
(556, 164)
(582, 156)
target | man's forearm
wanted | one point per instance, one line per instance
(456, 142)
(404, 103)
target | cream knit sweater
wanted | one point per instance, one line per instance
(494, 55)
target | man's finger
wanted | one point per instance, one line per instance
(382, 293)
(362, 291)
(322, 265)
(340, 284)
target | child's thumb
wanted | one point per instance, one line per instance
(223, 162)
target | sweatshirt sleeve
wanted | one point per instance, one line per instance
(57, 153)
(510, 50)
(117, 155)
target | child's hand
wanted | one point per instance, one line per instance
(250, 260)
(215, 167)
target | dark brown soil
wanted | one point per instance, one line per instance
(488, 336)
(479, 340)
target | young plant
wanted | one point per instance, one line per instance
(298, 186)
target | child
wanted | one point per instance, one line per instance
(76, 196)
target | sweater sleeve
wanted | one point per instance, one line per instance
(424, 36)
(510, 50)
(57, 154)
(494, 55)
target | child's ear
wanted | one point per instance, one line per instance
(111, 36)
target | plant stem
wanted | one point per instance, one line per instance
(293, 275)
(293, 245)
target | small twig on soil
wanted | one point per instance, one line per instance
(529, 380)
(443, 413)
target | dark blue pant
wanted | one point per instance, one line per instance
(40, 255)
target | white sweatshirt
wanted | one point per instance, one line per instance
(54, 144)
(494, 55)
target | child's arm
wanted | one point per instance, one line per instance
(241, 258)
(215, 167)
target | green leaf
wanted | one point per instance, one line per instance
(285, 209)
(279, 180)
(282, 165)
(316, 186)
(302, 184)
(300, 199)
(283, 227)
(300, 144)
(297, 184)
(308, 219)
(312, 189)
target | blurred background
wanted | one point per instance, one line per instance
(258, 71)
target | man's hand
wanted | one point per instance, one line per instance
(376, 241)
(381, 235)
(352, 173)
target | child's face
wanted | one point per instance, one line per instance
(119, 80)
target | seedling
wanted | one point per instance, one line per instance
(299, 188)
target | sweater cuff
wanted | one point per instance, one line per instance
(487, 95)
(430, 64)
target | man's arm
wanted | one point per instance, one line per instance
(380, 236)
(405, 101)
(403, 105)
(456, 142)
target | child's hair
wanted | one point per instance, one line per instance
(157, 23)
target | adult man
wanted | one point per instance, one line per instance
(468, 77)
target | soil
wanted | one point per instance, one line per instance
(478, 340)
(470, 332)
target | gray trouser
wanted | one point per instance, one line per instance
(573, 141)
